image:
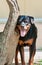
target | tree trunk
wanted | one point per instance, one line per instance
(8, 38)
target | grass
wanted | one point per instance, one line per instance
(39, 62)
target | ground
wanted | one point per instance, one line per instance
(27, 64)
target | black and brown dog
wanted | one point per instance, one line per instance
(28, 35)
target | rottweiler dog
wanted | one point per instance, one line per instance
(28, 35)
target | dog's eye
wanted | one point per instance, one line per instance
(26, 23)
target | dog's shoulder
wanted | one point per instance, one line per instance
(34, 30)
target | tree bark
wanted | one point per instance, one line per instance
(8, 38)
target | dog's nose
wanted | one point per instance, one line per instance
(23, 24)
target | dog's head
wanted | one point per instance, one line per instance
(23, 24)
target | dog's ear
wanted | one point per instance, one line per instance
(31, 19)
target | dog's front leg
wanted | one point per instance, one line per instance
(16, 55)
(22, 55)
(32, 54)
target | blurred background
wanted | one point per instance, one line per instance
(27, 7)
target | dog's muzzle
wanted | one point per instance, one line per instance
(23, 30)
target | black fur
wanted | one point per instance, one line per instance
(31, 34)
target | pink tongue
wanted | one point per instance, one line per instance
(23, 33)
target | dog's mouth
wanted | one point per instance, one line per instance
(24, 29)
(23, 33)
